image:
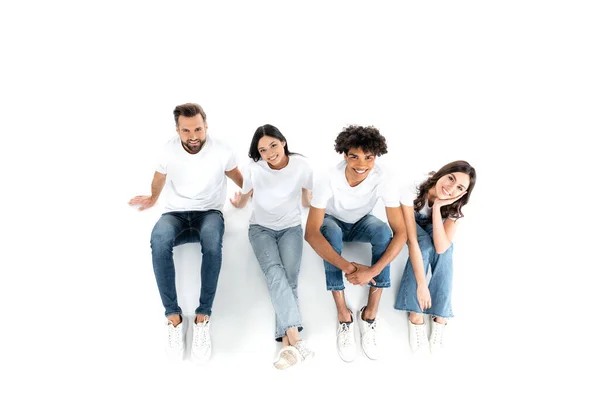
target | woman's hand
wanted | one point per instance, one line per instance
(441, 203)
(237, 200)
(423, 297)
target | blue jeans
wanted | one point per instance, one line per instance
(175, 228)
(279, 254)
(369, 229)
(440, 285)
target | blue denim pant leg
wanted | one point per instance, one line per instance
(371, 229)
(290, 245)
(279, 254)
(210, 227)
(332, 230)
(440, 285)
(169, 231)
(174, 229)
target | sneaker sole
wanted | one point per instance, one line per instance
(347, 360)
(367, 355)
(200, 361)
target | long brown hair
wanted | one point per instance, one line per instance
(451, 210)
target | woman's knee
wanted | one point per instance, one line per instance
(426, 244)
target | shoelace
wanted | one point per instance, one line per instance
(174, 336)
(369, 335)
(304, 352)
(437, 336)
(420, 331)
(201, 334)
(345, 333)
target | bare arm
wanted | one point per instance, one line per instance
(158, 182)
(236, 176)
(318, 242)
(306, 197)
(396, 221)
(414, 251)
(240, 200)
(443, 232)
(416, 258)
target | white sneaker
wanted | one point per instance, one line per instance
(288, 357)
(417, 336)
(346, 344)
(437, 336)
(368, 335)
(175, 339)
(304, 351)
(201, 345)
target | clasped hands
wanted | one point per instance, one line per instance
(361, 275)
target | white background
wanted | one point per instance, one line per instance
(87, 93)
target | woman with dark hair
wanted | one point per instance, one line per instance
(277, 180)
(431, 210)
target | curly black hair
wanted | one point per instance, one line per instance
(367, 138)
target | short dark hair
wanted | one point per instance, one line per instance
(188, 110)
(367, 138)
(266, 130)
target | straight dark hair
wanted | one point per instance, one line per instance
(266, 130)
(453, 210)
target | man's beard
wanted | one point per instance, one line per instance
(194, 149)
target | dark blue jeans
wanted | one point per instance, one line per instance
(368, 229)
(175, 228)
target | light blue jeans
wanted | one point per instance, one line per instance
(440, 285)
(368, 229)
(279, 254)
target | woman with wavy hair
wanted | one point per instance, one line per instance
(277, 180)
(431, 209)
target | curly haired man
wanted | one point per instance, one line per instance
(341, 212)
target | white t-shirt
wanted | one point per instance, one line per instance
(277, 193)
(349, 204)
(195, 182)
(410, 191)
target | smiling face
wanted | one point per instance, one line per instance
(451, 185)
(272, 151)
(192, 132)
(360, 164)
